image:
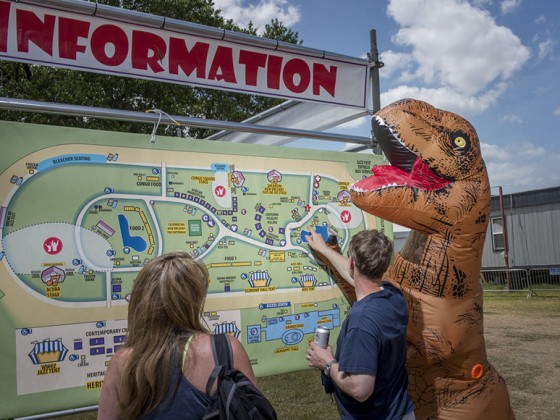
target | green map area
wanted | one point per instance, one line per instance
(82, 212)
(124, 214)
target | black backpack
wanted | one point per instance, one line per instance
(236, 397)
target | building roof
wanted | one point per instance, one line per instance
(527, 198)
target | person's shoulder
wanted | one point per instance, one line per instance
(206, 338)
(122, 354)
(201, 344)
(235, 343)
(200, 337)
(120, 358)
(392, 288)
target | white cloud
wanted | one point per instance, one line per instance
(512, 118)
(261, 13)
(546, 48)
(481, 3)
(510, 175)
(556, 112)
(493, 152)
(394, 62)
(540, 20)
(530, 150)
(358, 122)
(521, 166)
(535, 152)
(447, 98)
(464, 64)
(509, 6)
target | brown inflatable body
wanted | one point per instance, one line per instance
(437, 185)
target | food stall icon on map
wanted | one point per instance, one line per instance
(307, 280)
(259, 279)
(48, 351)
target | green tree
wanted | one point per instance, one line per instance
(50, 84)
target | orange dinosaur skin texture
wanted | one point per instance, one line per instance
(442, 193)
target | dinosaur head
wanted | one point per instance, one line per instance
(436, 175)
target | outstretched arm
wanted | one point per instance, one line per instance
(338, 261)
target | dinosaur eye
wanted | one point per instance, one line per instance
(460, 142)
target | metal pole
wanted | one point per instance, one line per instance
(375, 65)
(374, 75)
(27, 105)
(59, 413)
(504, 232)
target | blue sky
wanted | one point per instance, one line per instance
(495, 62)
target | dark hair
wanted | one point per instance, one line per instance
(371, 251)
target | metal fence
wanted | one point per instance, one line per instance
(505, 280)
(545, 279)
(530, 280)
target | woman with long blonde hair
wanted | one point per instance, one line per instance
(163, 367)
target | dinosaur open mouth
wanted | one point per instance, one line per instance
(406, 169)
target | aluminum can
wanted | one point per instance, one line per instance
(322, 337)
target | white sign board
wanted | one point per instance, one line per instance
(45, 36)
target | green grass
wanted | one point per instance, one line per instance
(544, 303)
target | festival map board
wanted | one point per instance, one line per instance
(81, 211)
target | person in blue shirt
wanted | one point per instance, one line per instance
(368, 369)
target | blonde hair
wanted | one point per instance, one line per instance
(165, 308)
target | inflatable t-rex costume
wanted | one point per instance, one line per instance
(437, 185)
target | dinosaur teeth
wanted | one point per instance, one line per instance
(381, 122)
(380, 187)
(394, 184)
(396, 136)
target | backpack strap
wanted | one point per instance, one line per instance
(223, 358)
(224, 350)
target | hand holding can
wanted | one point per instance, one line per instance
(322, 337)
